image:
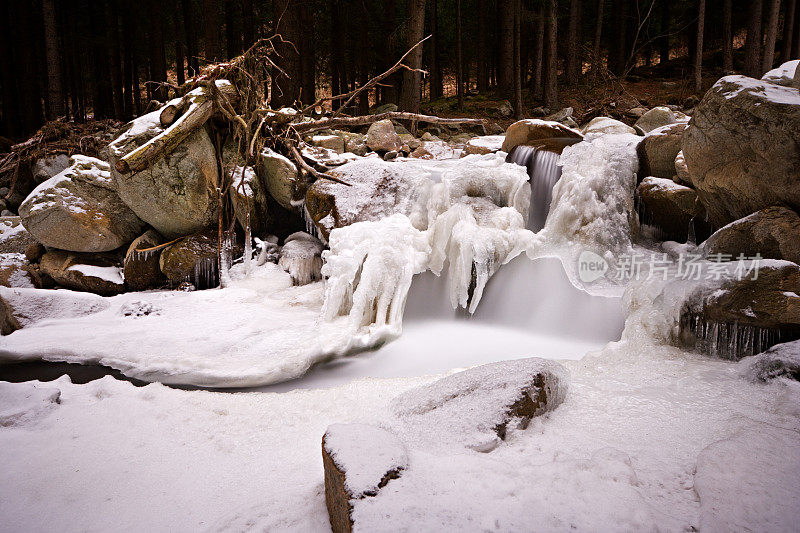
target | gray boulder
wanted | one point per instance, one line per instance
(279, 175)
(141, 269)
(79, 210)
(741, 148)
(774, 233)
(658, 150)
(83, 272)
(658, 117)
(382, 137)
(177, 194)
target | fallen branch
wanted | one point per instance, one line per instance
(334, 122)
(298, 157)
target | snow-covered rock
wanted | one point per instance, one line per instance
(177, 194)
(79, 210)
(192, 258)
(782, 360)
(46, 167)
(658, 117)
(15, 271)
(736, 148)
(382, 137)
(658, 150)
(787, 74)
(31, 306)
(774, 233)
(485, 144)
(301, 257)
(83, 272)
(332, 142)
(25, 403)
(605, 125)
(529, 131)
(682, 175)
(14, 238)
(249, 199)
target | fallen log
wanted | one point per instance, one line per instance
(338, 122)
(199, 107)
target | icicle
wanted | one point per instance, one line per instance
(248, 247)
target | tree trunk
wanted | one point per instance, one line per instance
(233, 35)
(415, 27)
(191, 39)
(551, 63)
(437, 87)
(752, 45)
(112, 29)
(337, 53)
(538, 60)
(620, 56)
(727, 36)
(519, 111)
(308, 71)
(772, 35)
(248, 23)
(211, 24)
(597, 59)
(505, 68)
(55, 90)
(158, 57)
(483, 52)
(796, 35)
(788, 25)
(286, 88)
(363, 74)
(574, 42)
(459, 59)
(665, 29)
(698, 53)
(180, 70)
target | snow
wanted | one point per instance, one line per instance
(664, 185)
(10, 227)
(784, 74)
(18, 276)
(489, 142)
(301, 258)
(109, 273)
(32, 306)
(768, 92)
(365, 453)
(782, 360)
(24, 404)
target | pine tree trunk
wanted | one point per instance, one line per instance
(551, 63)
(248, 23)
(538, 61)
(127, 64)
(573, 69)
(752, 45)
(191, 38)
(233, 36)
(459, 59)
(788, 25)
(337, 53)
(437, 88)
(211, 20)
(180, 68)
(518, 109)
(415, 27)
(112, 29)
(597, 60)
(158, 57)
(727, 36)
(698, 53)
(286, 90)
(305, 31)
(796, 34)
(55, 91)
(483, 52)
(772, 35)
(505, 68)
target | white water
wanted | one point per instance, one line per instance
(543, 168)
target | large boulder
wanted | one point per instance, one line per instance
(301, 257)
(331, 142)
(141, 269)
(177, 194)
(382, 137)
(485, 144)
(780, 361)
(83, 272)
(773, 233)
(658, 150)
(682, 175)
(377, 189)
(529, 131)
(46, 167)
(742, 148)
(280, 177)
(667, 206)
(79, 210)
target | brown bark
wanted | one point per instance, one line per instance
(518, 110)
(796, 34)
(698, 53)
(191, 38)
(286, 88)
(727, 36)
(180, 68)
(338, 122)
(158, 57)
(55, 91)
(620, 55)
(459, 58)
(505, 66)
(415, 26)
(437, 88)
(248, 23)
(551, 62)
(211, 22)
(573, 68)
(112, 29)
(772, 35)
(788, 25)
(597, 60)
(483, 52)
(538, 60)
(233, 35)
(752, 45)
(666, 28)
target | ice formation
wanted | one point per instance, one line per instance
(301, 257)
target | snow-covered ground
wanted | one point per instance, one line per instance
(649, 437)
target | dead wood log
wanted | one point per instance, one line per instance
(335, 122)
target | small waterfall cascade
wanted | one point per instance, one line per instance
(541, 161)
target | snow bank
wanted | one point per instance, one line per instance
(26, 403)
(782, 360)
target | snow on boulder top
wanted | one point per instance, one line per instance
(787, 74)
(473, 408)
(366, 454)
(782, 360)
(530, 130)
(735, 85)
(23, 402)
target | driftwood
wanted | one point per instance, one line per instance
(338, 122)
(199, 107)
